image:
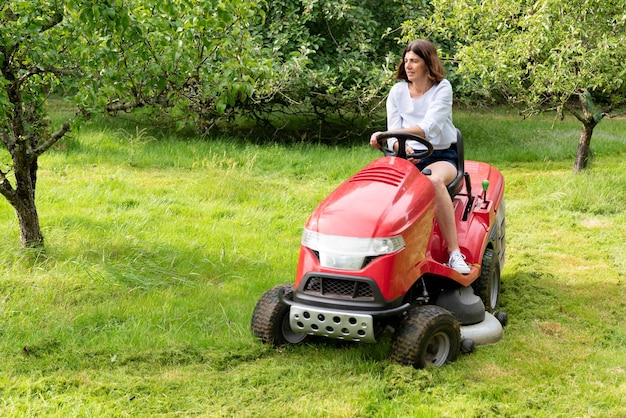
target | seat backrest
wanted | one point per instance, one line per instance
(457, 183)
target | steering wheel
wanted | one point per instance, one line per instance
(402, 137)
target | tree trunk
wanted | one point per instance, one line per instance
(23, 201)
(590, 117)
(22, 198)
(30, 231)
(582, 154)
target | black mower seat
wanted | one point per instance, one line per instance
(457, 183)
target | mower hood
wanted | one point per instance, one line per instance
(382, 200)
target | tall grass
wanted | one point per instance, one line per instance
(159, 245)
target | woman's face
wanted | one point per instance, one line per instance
(414, 66)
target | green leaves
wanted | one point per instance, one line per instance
(540, 53)
(204, 60)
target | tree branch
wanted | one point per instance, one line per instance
(8, 143)
(614, 115)
(38, 70)
(572, 110)
(123, 106)
(6, 189)
(54, 20)
(118, 106)
(53, 139)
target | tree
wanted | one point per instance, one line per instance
(558, 55)
(28, 64)
(112, 55)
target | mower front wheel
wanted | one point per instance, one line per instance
(427, 336)
(270, 319)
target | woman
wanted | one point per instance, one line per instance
(421, 104)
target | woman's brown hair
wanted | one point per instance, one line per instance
(426, 51)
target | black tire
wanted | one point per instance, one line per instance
(427, 336)
(270, 319)
(488, 285)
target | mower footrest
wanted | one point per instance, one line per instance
(333, 324)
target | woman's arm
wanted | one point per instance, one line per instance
(438, 112)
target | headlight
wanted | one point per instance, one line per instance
(349, 253)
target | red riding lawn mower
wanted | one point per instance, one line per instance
(373, 258)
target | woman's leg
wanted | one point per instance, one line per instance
(442, 174)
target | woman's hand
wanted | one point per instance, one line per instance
(374, 140)
(374, 143)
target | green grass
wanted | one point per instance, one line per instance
(158, 247)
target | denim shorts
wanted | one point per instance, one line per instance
(448, 155)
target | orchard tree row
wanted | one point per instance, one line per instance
(201, 63)
(194, 62)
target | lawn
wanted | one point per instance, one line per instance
(158, 246)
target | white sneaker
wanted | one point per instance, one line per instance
(457, 262)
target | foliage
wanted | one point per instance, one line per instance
(558, 55)
(349, 52)
(211, 61)
(177, 55)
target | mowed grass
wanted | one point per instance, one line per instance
(159, 245)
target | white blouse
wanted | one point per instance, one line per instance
(432, 112)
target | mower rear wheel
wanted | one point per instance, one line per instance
(487, 286)
(427, 336)
(270, 319)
